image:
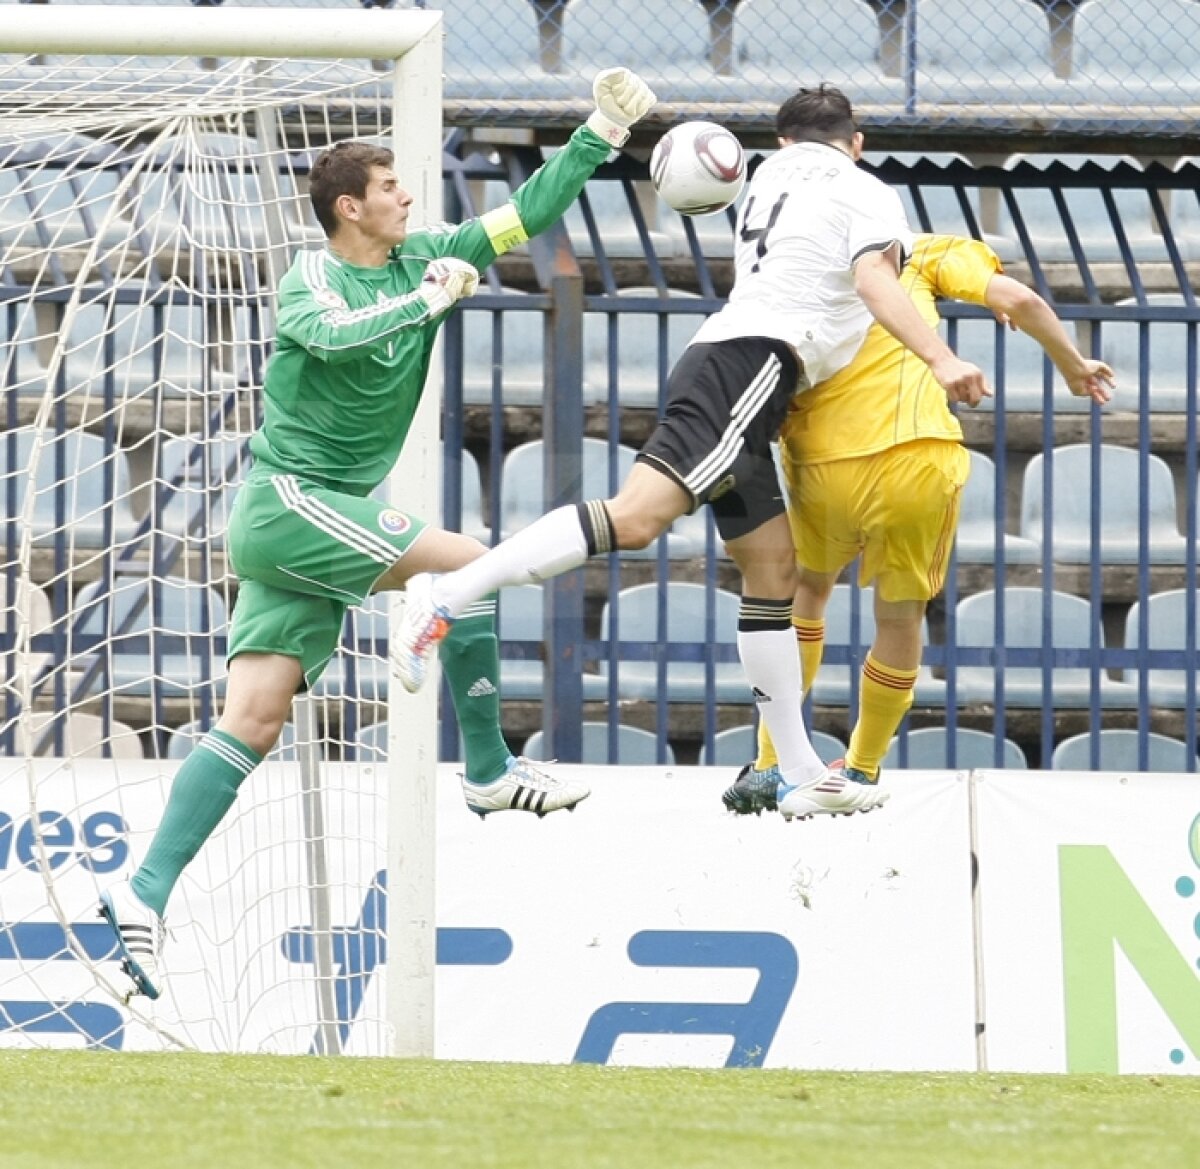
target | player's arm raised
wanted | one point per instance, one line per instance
(876, 281)
(621, 98)
(1018, 305)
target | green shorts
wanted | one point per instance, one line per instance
(303, 554)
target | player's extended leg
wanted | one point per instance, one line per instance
(258, 697)
(645, 507)
(493, 779)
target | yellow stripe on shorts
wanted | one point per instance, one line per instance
(504, 228)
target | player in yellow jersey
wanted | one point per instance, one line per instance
(875, 466)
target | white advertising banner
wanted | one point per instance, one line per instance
(651, 926)
(1089, 917)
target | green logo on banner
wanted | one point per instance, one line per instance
(1101, 910)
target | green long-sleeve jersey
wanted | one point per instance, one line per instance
(353, 344)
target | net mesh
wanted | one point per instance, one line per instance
(143, 229)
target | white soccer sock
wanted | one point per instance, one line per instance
(551, 545)
(773, 669)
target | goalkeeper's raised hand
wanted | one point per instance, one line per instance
(447, 281)
(622, 97)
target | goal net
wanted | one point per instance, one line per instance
(152, 193)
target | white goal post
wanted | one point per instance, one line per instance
(140, 239)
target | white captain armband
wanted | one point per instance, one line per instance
(504, 228)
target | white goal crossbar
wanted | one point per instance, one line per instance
(413, 40)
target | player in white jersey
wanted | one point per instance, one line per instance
(820, 245)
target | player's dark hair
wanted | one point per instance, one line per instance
(823, 114)
(343, 169)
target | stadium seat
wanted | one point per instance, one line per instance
(833, 684)
(738, 746)
(1166, 617)
(519, 617)
(616, 225)
(78, 736)
(22, 367)
(780, 44)
(1020, 384)
(1071, 621)
(491, 50)
(209, 469)
(1088, 213)
(930, 747)
(975, 542)
(1165, 348)
(520, 360)
(1117, 494)
(1131, 53)
(359, 669)
(644, 348)
(522, 498)
(673, 56)
(634, 617)
(184, 739)
(986, 54)
(30, 604)
(184, 623)
(1119, 750)
(77, 473)
(371, 744)
(936, 207)
(634, 746)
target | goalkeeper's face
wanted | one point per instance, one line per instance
(382, 213)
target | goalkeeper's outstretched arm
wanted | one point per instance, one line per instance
(621, 98)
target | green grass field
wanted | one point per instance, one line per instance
(93, 1111)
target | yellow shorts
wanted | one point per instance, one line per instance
(898, 508)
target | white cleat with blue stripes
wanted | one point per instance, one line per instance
(523, 788)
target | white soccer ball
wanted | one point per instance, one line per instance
(698, 168)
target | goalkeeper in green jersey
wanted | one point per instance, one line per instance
(357, 323)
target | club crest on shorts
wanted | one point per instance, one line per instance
(394, 522)
(726, 484)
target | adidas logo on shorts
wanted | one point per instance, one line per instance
(481, 688)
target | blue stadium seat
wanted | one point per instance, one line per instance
(1071, 628)
(647, 345)
(636, 619)
(672, 54)
(135, 360)
(833, 684)
(31, 605)
(359, 668)
(22, 368)
(474, 521)
(616, 226)
(943, 210)
(1023, 385)
(522, 498)
(975, 542)
(520, 360)
(1166, 616)
(780, 45)
(184, 739)
(1131, 53)
(92, 486)
(634, 746)
(984, 54)
(209, 469)
(519, 617)
(74, 734)
(738, 746)
(929, 747)
(1119, 751)
(1166, 347)
(1088, 213)
(174, 641)
(1117, 495)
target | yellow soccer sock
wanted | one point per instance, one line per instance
(810, 640)
(886, 696)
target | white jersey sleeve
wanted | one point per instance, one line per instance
(809, 214)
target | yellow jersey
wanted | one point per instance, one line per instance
(887, 396)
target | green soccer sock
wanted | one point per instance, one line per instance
(471, 660)
(204, 790)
